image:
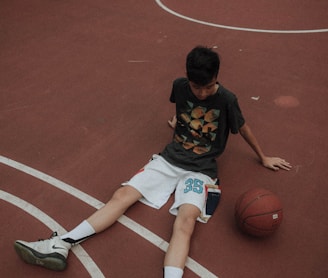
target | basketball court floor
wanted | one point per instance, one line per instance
(84, 103)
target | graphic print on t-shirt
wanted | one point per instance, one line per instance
(196, 128)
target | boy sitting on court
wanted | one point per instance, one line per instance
(206, 113)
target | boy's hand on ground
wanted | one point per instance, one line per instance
(276, 163)
(173, 122)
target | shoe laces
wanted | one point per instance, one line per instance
(54, 234)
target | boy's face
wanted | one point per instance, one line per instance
(204, 91)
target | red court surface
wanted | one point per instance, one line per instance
(84, 88)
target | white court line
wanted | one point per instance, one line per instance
(124, 220)
(79, 252)
(159, 3)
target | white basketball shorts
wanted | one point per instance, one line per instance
(158, 179)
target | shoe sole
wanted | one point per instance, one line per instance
(53, 261)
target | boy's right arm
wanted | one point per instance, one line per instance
(173, 122)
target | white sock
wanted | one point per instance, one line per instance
(79, 233)
(172, 272)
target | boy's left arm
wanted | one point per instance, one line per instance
(274, 163)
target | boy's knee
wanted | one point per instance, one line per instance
(126, 194)
(184, 226)
(119, 194)
(185, 221)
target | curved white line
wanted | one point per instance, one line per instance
(124, 220)
(79, 252)
(159, 3)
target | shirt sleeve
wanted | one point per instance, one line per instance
(235, 117)
(172, 97)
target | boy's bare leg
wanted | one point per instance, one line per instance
(52, 253)
(183, 228)
(122, 199)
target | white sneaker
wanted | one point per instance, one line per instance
(49, 253)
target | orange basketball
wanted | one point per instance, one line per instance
(258, 212)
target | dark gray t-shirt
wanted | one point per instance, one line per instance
(202, 129)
